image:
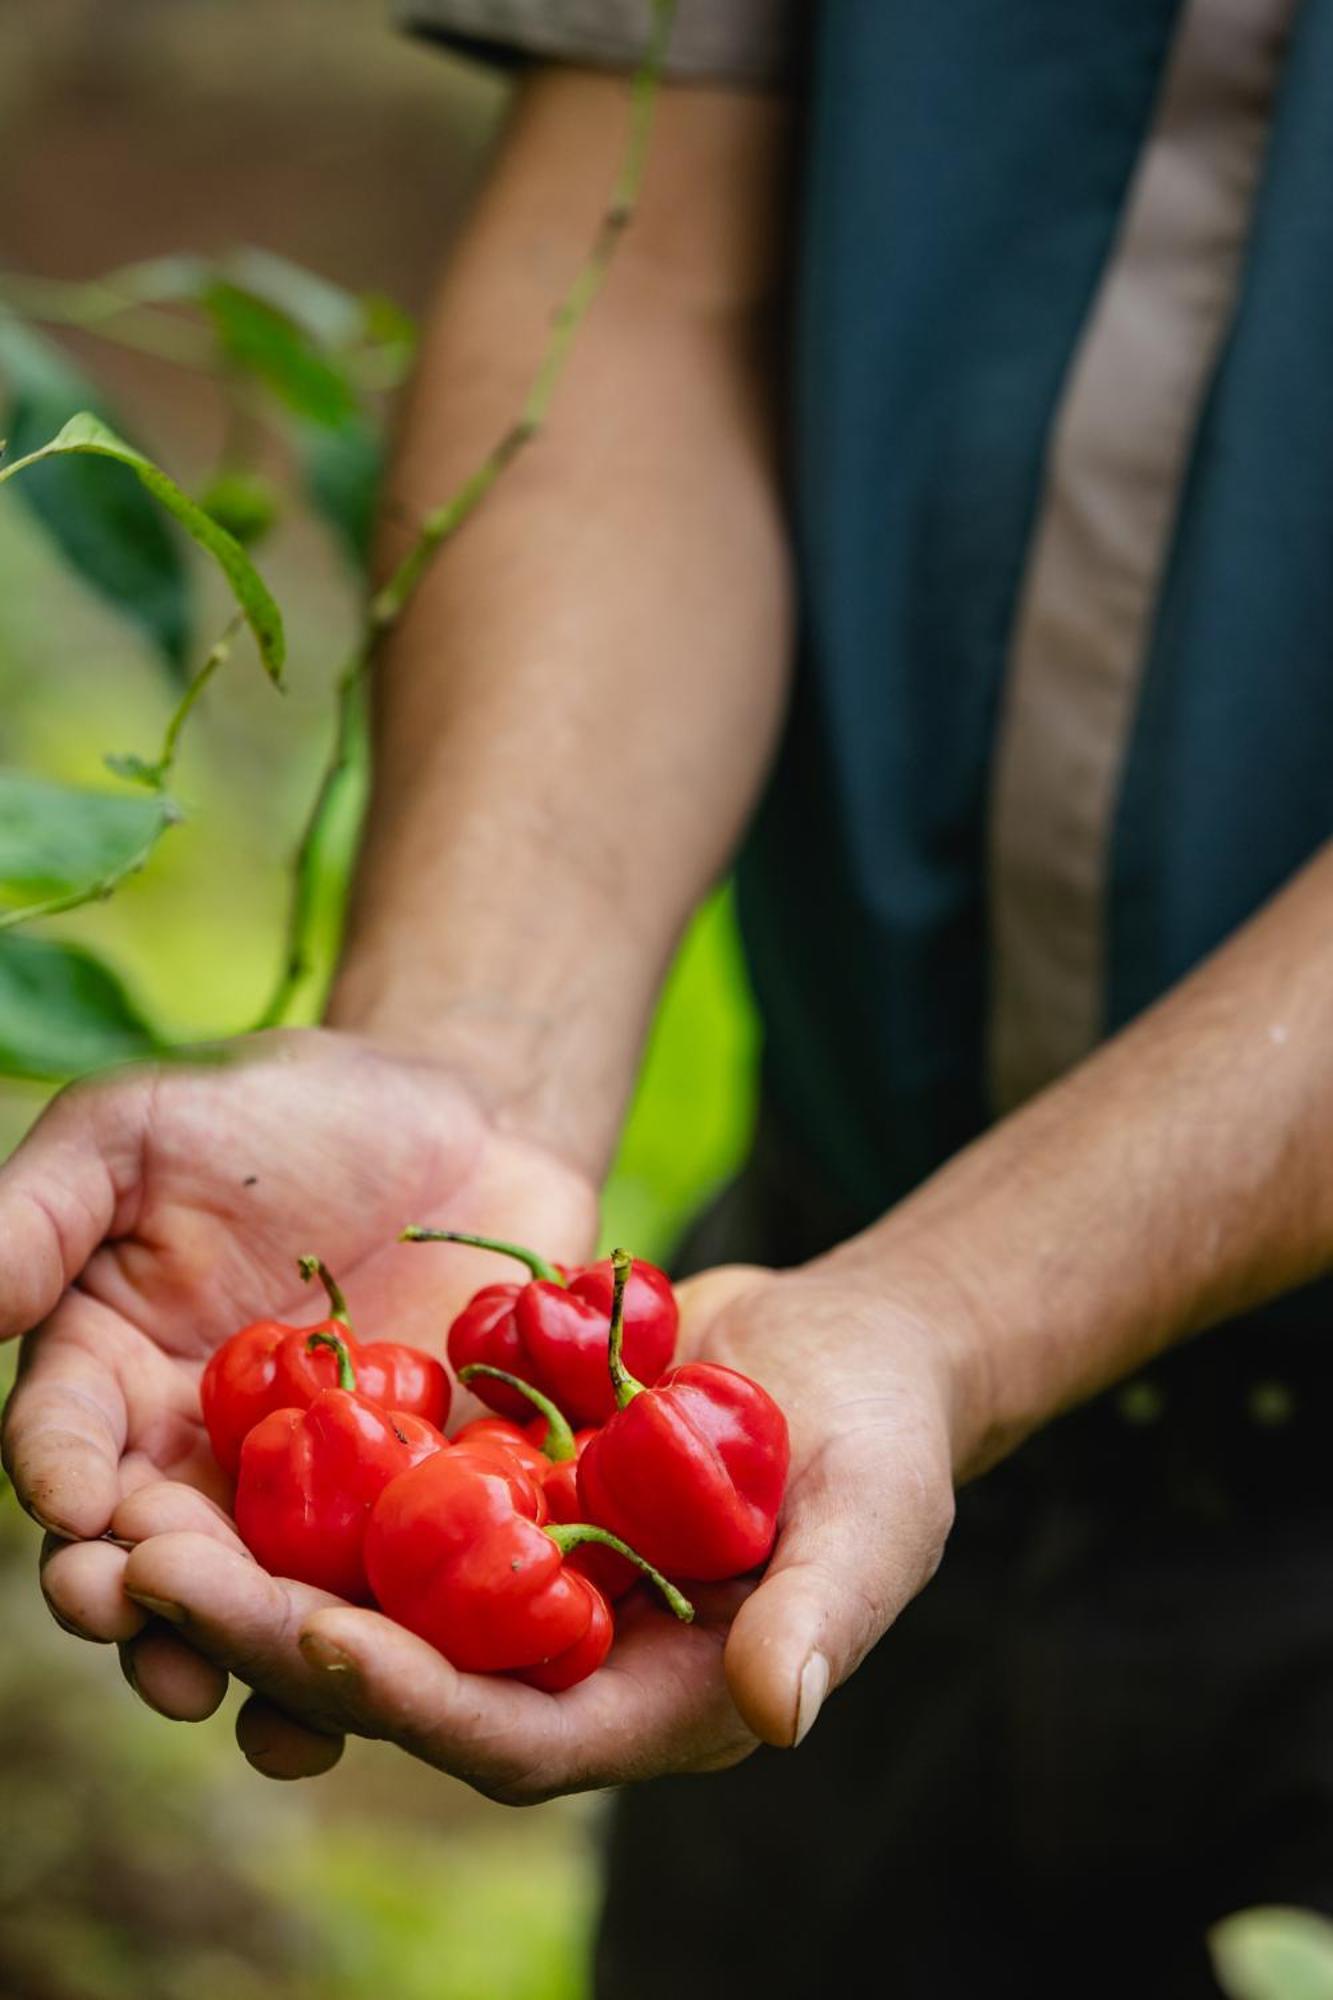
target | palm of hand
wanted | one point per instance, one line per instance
(206, 1185)
(864, 1521)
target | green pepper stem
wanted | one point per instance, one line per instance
(558, 1443)
(315, 1267)
(622, 1381)
(346, 1372)
(569, 1535)
(539, 1266)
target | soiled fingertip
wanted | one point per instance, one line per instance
(84, 1586)
(279, 1747)
(170, 1677)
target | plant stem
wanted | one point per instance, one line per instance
(558, 1444)
(94, 892)
(444, 521)
(155, 775)
(572, 1534)
(536, 1263)
(315, 1267)
(622, 1381)
(300, 954)
(346, 1372)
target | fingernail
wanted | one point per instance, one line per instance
(322, 1653)
(160, 1607)
(814, 1687)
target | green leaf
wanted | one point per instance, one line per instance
(264, 341)
(342, 471)
(96, 512)
(57, 838)
(62, 1012)
(84, 433)
(1273, 1954)
(246, 504)
(330, 315)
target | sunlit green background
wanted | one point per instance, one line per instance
(149, 1860)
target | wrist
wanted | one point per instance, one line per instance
(527, 1051)
(920, 1284)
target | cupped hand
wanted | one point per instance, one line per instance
(866, 1386)
(152, 1213)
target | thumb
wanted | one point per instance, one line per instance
(866, 1523)
(60, 1193)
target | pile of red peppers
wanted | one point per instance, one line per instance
(507, 1546)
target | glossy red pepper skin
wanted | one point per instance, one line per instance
(498, 1438)
(586, 1655)
(309, 1477)
(269, 1366)
(555, 1336)
(456, 1553)
(691, 1473)
(391, 1374)
(237, 1387)
(558, 1479)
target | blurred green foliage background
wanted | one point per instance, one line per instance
(152, 1862)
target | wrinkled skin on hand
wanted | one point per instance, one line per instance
(152, 1213)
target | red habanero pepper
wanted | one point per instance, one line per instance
(309, 1478)
(554, 1464)
(691, 1471)
(552, 1332)
(268, 1366)
(457, 1552)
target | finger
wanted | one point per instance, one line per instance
(166, 1507)
(866, 1525)
(84, 1586)
(242, 1618)
(281, 1747)
(65, 1428)
(171, 1677)
(60, 1193)
(659, 1703)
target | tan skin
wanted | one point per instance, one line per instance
(573, 725)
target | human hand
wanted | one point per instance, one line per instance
(866, 1384)
(151, 1214)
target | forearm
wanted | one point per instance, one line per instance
(574, 716)
(1180, 1175)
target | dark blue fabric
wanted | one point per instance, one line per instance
(1229, 785)
(967, 165)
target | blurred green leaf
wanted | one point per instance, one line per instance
(62, 1012)
(264, 341)
(97, 512)
(85, 433)
(246, 504)
(55, 838)
(330, 315)
(1274, 1954)
(342, 472)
